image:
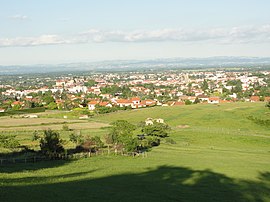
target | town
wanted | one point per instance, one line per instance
(112, 91)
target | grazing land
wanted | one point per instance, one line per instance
(219, 155)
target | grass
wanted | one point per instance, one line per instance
(221, 156)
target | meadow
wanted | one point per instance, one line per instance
(219, 155)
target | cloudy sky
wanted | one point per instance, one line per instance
(51, 32)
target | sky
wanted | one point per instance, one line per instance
(63, 31)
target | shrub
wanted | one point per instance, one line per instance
(169, 140)
(65, 127)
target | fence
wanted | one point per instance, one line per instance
(38, 158)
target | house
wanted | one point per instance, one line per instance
(213, 100)
(267, 99)
(2, 110)
(254, 98)
(147, 103)
(92, 104)
(192, 98)
(135, 100)
(105, 104)
(105, 96)
(17, 103)
(150, 121)
(203, 98)
(159, 120)
(60, 82)
(123, 102)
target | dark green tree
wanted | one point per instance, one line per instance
(50, 143)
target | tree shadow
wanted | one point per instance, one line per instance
(29, 166)
(165, 183)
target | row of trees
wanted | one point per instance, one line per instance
(120, 138)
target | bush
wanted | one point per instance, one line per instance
(262, 122)
(8, 141)
(169, 140)
(65, 127)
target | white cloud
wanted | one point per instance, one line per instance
(18, 17)
(33, 41)
(218, 35)
(234, 35)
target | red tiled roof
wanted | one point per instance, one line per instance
(122, 101)
(214, 98)
(93, 102)
(135, 99)
(179, 103)
(267, 99)
(255, 98)
(103, 103)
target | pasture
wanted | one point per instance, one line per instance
(219, 155)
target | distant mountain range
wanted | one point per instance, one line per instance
(126, 65)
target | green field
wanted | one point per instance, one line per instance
(220, 155)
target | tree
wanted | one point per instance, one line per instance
(48, 99)
(50, 143)
(92, 143)
(90, 83)
(122, 128)
(156, 129)
(121, 135)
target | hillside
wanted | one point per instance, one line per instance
(219, 155)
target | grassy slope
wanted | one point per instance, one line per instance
(222, 156)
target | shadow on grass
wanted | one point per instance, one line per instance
(20, 167)
(162, 184)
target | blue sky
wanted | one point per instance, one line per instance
(50, 32)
